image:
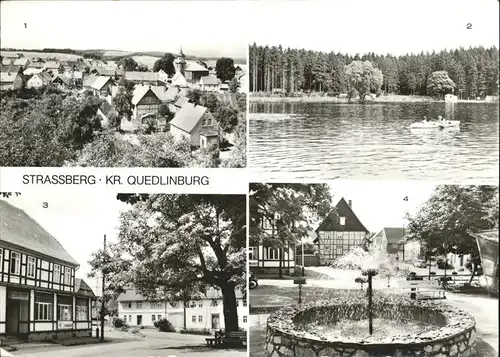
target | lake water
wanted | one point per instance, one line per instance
(373, 141)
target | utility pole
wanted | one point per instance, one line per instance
(102, 297)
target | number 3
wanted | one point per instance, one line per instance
(469, 26)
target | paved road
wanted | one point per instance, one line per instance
(154, 344)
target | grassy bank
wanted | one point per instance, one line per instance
(257, 98)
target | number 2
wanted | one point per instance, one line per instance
(469, 26)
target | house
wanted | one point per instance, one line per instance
(88, 80)
(203, 313)
(163, 77)
(23, 62)
(40, 298)
(193, 72)
(8, 61)
(60, 80)
(145, 78)
(53, 66)
(116, 73)
(224, 87)
(391, 240)
(145, 101)
(10, 80)
(178, 80)
(450, 98)
(181, 100)
(31, 71)
(340, 232)
(209, 83)
(102, 86)
(240, 70)
(265, 260)
(39, 80)
(197, 124)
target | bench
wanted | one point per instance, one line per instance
(235, 338)
(422, 289)
(214, 342)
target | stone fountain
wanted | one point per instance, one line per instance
(370, 325)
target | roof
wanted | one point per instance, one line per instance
(332, 221)
(7, 61)
(30, 71)
(74, 74)
(394, 234)
(89, 80)
(108, 71)
(188, 116)
(44, 76)
(100, 82)
(178, 76)
(8, 77)
(181, 101)
(82, 288)
(171, 93)
(140, 92)
(212, 293)
(491, 235)
(61, 77)
(51, 65)
(195, 67)
(11, 68)
(141, 76)
(209, 80)
(19, 229)
(21, 61)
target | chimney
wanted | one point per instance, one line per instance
(349, 203)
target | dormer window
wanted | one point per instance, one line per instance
(342, 221)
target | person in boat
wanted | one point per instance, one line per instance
(441, 119)
(425, 120)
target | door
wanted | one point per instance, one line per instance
(12, 327)
(215, 321)
(203, 142)
(139, 320)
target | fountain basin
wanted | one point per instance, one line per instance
(447, 331)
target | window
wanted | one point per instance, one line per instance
(130, 318)
(82, 310)
(339, 250)
(215, 302)
(156, 305)
(138, 305)
(266, 224)
(1, 259)
(159, 317)
(31, 267)
(209, 122)
(192, 304)
(244, 303)
(124, 318)
(244, 319)
(193, 318)
(200, 303)
(153, 318)
(342, 221)
(65, 308)
(43, 306)
(252, 253)
(15, 263)
(57, 273)
(200, 319)
(272, 253)
(129, 304)
(67, 276)
(237, 303)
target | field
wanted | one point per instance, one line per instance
(149, 61)
(60, 56)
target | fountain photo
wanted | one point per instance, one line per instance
(370, 269)
(380, 100)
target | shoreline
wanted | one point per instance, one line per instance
(379, 100)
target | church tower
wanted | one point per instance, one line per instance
(180, 63)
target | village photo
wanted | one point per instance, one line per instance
(131, 91)
(413, 97)
(373, 269)
(124, 275)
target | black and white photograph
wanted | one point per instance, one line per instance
(123, 84)
(375, 90)
(373, 269)
(133, 275)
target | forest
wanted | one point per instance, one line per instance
(276, 70)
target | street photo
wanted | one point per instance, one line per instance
(122, 85)
(134, 275)
(411, 97)
(373, 269)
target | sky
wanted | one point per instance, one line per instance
(203, 29)
(381, 26)
(78, 221)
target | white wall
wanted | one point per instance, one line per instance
(3, 307)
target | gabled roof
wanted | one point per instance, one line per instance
(100, 82)
(44, 77)
(8, 77)
(394, 234)
(21, 61)
(89, 80)
(7, 61)
(30, 71)
(171, 93)
(19, 229)
(140, 92)
(51, 65)
(82, 288)
(188, 116)
(195, 67)
(332, 221)
(60, 78)
(74, 74)
(181, 101)
(11, 69)
(209, 80)
(141, 76)
(178, 76)
(108, 71)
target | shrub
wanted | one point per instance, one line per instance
(164, 325)
(205, 332)
(118, 323)
(442, 264)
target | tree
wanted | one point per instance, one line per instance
(211, 101)
(439, 84)
(164, 111)
(173, 247)
(194, 96)
(290, 208)
(227, 117)
(363, 78)
(166, 63)
(128, 64)
(234, 85)
(123, 103)
(448, 219)
(224, 68)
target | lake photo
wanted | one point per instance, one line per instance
(332, 140)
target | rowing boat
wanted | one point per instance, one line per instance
(436, 124)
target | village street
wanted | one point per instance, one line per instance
(154, 344)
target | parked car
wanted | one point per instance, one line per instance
(253, 281)
(420, 264)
